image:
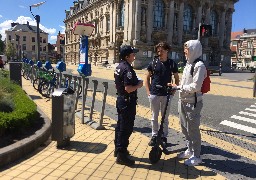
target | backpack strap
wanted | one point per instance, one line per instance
(191, 72)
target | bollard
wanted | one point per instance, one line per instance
(95, 85)
(105, 84)
(85, 82)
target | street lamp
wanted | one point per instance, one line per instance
(37, 18)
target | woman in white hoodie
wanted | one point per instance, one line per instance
(190, 102)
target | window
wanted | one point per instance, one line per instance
(158, 14)
(24, 38)
(44, 40)
(214, 23)
(33, 48)
(108, 23)
(44, 48)
(121, 14)
(143, 16)
(175, 25)
(33, 39)
(10, 37)
(187, 19)
(24, 47)
(40, 39)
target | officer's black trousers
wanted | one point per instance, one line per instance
(126, 109)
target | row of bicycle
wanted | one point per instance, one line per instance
(46, 78)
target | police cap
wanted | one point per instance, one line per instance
(126, 50)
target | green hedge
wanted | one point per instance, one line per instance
(24, 110)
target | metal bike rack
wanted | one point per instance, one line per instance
(85, 82)
(105, 84)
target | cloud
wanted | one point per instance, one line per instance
(53, 38)
(1, 16)
(23, 20)
(62, 31)
(23, 7)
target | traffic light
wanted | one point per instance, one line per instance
(205, 30)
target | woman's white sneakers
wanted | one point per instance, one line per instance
(191, 159)
(186, 154)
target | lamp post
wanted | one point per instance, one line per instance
(37, 18)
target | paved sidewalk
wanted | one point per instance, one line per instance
(90, 155)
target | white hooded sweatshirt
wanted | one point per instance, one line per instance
(189, 85)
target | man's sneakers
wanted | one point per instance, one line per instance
(186, 154)
(152, 142)
(193, 161)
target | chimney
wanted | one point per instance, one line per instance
(27, 23)
(14, 24)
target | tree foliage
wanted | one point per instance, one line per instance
(1, 45)
(10, 50)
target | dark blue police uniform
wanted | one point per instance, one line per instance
(125, 104)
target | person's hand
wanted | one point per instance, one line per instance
(173, 86)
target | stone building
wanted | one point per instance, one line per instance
(143, 23)
(243, 45)
(24, 39)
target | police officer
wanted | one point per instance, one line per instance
(127, 84)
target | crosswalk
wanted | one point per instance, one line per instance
(244, 121)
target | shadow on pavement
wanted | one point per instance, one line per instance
(175, 167)
(89, 147)
(227, 162)
(33, 97)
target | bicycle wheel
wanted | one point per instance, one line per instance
(36, 83)
(46, 89)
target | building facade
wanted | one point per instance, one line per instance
(243, 46)
(144, 23)
(24, 39)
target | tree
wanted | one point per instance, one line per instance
(1, 45)
(10, 51)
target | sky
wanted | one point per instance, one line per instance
(52, 14)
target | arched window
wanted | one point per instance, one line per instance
(214, 22)
(187, 18)
(158, 14)
(121, 14)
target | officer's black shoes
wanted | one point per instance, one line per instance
(127, 152)
(152, 142)
(123, 159)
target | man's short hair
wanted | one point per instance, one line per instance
(126, 50)
(164, 45)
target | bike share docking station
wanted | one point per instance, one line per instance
(84, 69)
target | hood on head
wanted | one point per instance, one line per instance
(195, 50)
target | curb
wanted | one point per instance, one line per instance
(25, 146)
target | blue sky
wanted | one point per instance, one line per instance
(52, 14)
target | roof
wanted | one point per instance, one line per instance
(236, 35)
(26, 28)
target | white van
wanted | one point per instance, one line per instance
(4, 58)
